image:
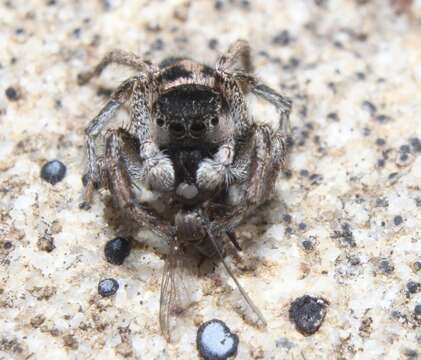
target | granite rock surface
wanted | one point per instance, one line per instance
(345, 225)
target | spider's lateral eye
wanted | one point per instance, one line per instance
(215, 121)
(160, 122)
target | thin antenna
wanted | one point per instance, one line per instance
(230, 273)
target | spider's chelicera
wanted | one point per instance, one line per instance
(192, 142)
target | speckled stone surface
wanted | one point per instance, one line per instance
(346, 225)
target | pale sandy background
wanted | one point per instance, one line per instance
(344, 191)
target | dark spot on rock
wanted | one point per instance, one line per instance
(411, 354)
(116, 250)
(302, 226)
(70, 341)
(393, 175)
(354, 260)
(215, 341)
(158, 44)
(308, 245)
(382, 202)
(308, 313)
(304, 172)
(383, 118)
(287, 218)
(287, 173)
(7, 245)
(417, 266)
(417, 310)
(53, 171)
(333, 116)
(289, 142)
(386, 267)
(404, 149)
(107, 287)
(380, 142)
(282, 39)
(12, 94)
(46, 243)
(346, 235)
(360, 75)
(403, 157)
(369, 107)
(380, 162)
(316, 179)
(245, 4)
(416, 144)
(218, 4)
(284, 343)
(76, 33)
(397, 220)
(213, 43)
(292, 63)
(413, 287)
(103, 91)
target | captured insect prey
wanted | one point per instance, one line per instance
(192, 143)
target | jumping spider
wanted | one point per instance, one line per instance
(192, 142)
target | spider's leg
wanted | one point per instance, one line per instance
(157, 168)
(262, 168)
(121, 189)
(237, 58)
(218, 171)
(119, 97)
(282, 104)
(119, 57)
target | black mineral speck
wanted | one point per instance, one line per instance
(411, 354)
(282, 39)
(53, 171)
(302, 226)
(369, 107)
(417, 310)
(380, 142)
(404, 149)
(308, 313)
(308, 245)
(213, 43)
(413, 287)
(386, 267)
(333, 116)
(12, 94)
(383, 118)
(403, 157)
(397, 220)
(215, 341)
(416, 144)
(116, 250)
(287, 218)
(304, 172)
(107, 287)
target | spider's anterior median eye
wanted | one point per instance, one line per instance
(160, 122)
(215, 121)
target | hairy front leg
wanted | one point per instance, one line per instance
(120, 186)
(157, 169)
(95, 127)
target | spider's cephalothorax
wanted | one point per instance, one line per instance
(192, 142)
